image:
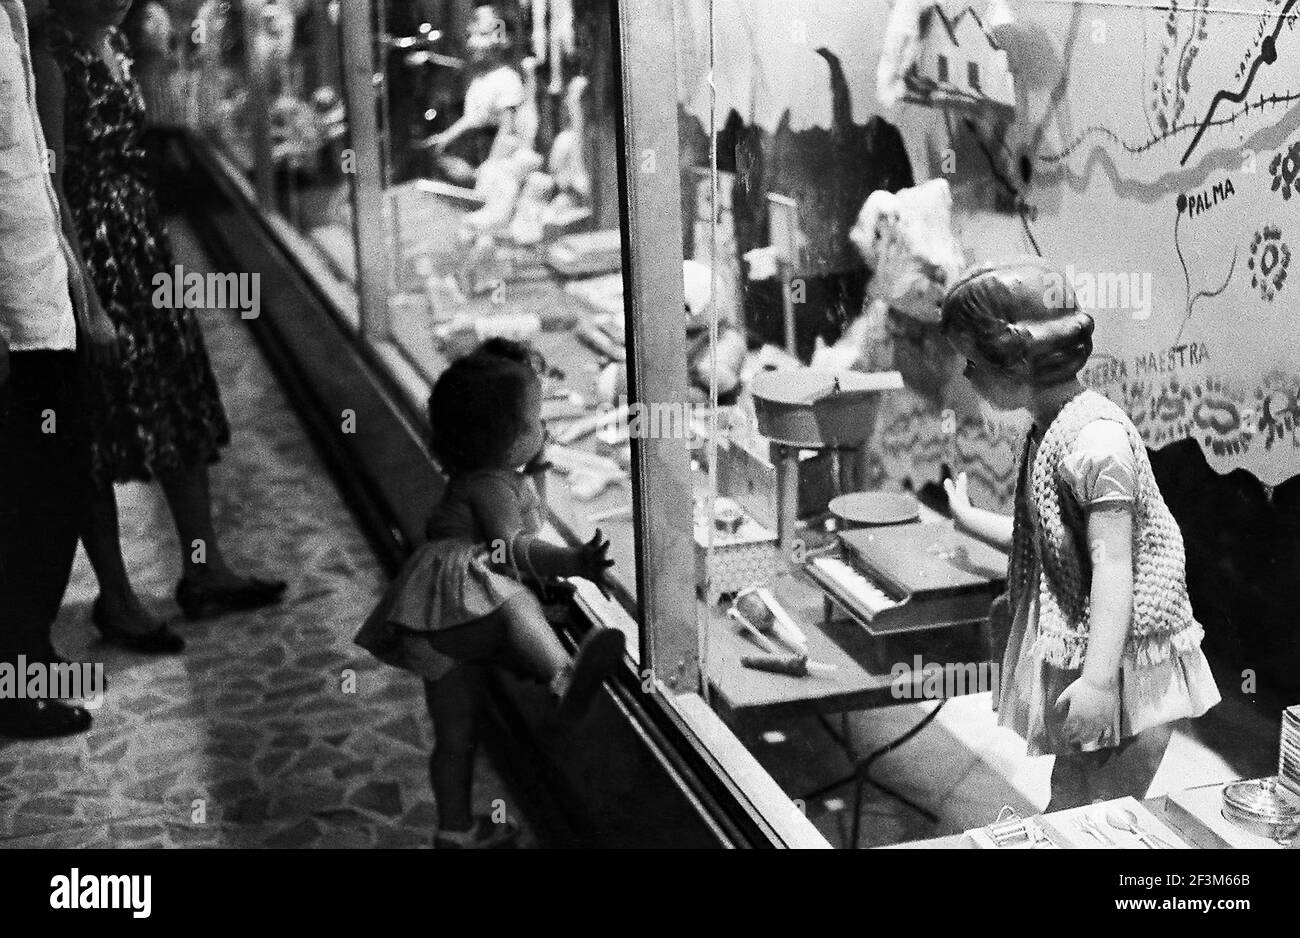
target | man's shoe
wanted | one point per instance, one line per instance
(41, 719)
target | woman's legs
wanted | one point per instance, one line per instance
(1081, 778)
(190, 500)
(454, 702)
(101, 537)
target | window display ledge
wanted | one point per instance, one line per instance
(409, 380)
(342, 296)
(789, 824)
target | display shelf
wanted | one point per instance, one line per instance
(864, 674)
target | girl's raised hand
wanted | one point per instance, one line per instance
(1089, 712)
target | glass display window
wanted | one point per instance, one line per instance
(264, 79)
(500, 195)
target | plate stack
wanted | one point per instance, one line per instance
(1288, 760)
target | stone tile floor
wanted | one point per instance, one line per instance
(272, 729)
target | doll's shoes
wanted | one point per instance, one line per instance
(598, 656)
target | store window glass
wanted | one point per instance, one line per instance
(264, 79)
(842, 165)
(450, 168)
(500, 196)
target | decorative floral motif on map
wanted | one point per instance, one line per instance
(1278, 409)
(1284, 168)
(1269, 259)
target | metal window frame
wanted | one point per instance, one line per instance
(259, 103)
(370, 236)
(651, 222)
(645, 43)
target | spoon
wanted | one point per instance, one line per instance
(1123, 819)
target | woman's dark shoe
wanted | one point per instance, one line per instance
(41, 719)
(204, 602)
(483, 834)
(157, 641)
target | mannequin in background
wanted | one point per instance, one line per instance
(492, 100)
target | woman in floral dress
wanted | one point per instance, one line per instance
(158, 414)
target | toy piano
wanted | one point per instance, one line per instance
(910, 577)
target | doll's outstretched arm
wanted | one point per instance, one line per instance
(500, 516)
(988, 526)
(440, 141)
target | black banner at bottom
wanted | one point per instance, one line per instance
(879, 888)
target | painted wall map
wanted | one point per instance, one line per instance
(1164, 166)
(1150, 148)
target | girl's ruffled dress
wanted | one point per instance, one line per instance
(450, 581)
(1099, 469)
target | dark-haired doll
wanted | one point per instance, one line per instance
(1103, 652)
(459, 605)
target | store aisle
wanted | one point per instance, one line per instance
(257, 735)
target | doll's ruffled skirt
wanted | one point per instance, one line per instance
(445, 585)
(1178, 687)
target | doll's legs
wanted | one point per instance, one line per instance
(532, 640)
(455, 701)
(516, 635)
(1080, 778)
(572, 681)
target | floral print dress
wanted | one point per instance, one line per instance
(159, 410)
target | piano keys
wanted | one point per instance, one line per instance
(911, 577)
(853, 586)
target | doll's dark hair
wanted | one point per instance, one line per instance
(1021, 316)
(476, 408)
